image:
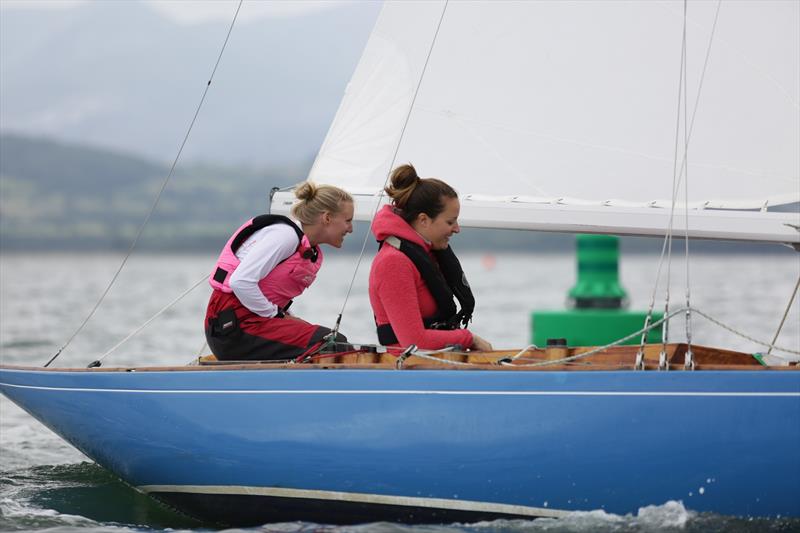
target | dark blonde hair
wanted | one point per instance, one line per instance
(313, 200)
(413, 195)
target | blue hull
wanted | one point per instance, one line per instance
(350, 445)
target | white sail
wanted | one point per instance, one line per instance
(556, 115)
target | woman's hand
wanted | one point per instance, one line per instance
(480, 345)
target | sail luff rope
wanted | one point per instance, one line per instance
(335, 330)
(158, 195)
(97, 363)
(785, 314)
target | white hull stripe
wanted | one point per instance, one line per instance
(357, 497)
(416, 392)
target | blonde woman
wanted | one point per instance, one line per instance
(266, 263)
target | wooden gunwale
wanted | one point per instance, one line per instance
(613, 359)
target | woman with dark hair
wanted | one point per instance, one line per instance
(415, 276)
(265, 264)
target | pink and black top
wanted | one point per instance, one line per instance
(400, 296)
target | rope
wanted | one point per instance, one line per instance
(97, 363)
(507, 362)
(689, 358)
(428, 355)
(199, 354)
(423, 355)
(391, 166)
(648, 317)
(524, 351)
(158, 195)
(601, 348)
(785, 314)
(675, 184)
(743, 335)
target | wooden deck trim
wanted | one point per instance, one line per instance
(613, 359)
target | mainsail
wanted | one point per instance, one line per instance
(569, 116)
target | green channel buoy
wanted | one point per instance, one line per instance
(597, 311)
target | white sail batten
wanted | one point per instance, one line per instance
(570, 107)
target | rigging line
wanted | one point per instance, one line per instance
(507, 362)
(785, 314)
(743, 335)
(676, 174)
(689, 359)
(762, 71)
(700, 87)
(691, 128)
(196, 359)
(666, 247)
(158, 195)
(391, 166)
(148, 321)
(202, 348)
(599, 349)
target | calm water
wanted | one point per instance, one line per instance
(45, 484)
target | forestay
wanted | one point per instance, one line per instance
(562, 115)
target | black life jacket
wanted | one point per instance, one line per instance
(228, 262)
(445, 278)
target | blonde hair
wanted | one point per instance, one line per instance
(413, 195)
(313, 200)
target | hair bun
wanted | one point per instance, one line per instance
(402, 182)
(306, 191)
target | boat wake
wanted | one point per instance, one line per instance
(85, 497)
(671, 516)
(82, 496)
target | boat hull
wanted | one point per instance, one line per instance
(244, 447)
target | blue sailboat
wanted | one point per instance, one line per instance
(544, 116)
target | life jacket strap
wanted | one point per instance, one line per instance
(220, 275)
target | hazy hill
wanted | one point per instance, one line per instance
(62, 196)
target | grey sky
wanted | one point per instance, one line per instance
(128, 74)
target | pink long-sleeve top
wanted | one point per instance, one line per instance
(398, 293)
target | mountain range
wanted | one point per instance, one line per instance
(61, 196)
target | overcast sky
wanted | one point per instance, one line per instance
(199, 11)
(127, 74)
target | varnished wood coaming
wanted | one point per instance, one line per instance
(616, 358)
